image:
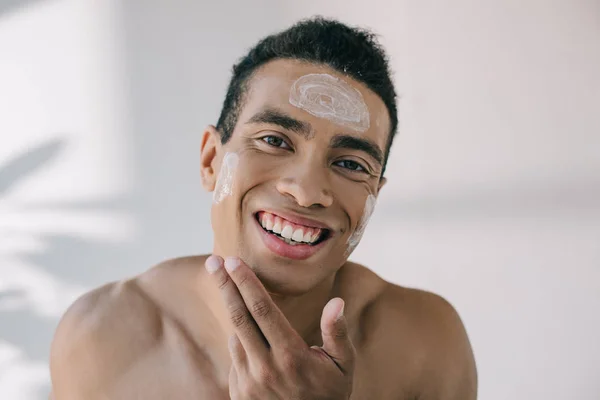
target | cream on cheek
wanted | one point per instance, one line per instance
(355, 236)
(326, 96)
(225, 180)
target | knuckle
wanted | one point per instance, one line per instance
(222, 280)
(290, 362)
(266, 375)
(338, 332)
(261, 308)
(243, 280)
(239, 317)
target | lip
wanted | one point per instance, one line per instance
(281, 248)
(296, 219)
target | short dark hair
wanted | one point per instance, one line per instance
(349, 50)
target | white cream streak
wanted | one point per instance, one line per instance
(224, 185)
(355, 237)
(326, 96)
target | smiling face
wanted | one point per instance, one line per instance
(298, 175)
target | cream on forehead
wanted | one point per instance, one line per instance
(224, 185)
(355, 237)
(326, 96)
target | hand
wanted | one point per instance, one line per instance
(270, 360)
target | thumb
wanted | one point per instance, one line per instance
(334, 330)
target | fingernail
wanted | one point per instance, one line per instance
(341, 313)
(231, 263)
(212, 264)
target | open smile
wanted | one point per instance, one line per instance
(291, 239)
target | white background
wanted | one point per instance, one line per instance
(493, 199)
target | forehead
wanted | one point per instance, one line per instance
(270, 87)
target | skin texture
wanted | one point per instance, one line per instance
(269, 328)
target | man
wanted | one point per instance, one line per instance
(295, 165)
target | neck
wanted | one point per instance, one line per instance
(304, 311)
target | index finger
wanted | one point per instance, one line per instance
(243, 323)
(274, 325)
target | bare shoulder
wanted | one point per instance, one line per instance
(127, 313)
(114, 341)
(101, 335)
(358, 285)
(107, 311)
(107, 331)
(426, 329)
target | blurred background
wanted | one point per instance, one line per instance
(493, 199)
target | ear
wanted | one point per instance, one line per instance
(209, 147)
(382, 182)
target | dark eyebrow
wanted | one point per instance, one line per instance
(356, 143)
(277, 117)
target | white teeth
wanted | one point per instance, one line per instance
(287, 232)
(277, 226)
(307, 237)
(289, 241)
(298, 235)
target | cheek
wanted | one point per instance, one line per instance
(227, 177)
(239, 172)
(255, 168)
(363, 221)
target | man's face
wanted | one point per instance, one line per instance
(290, 169)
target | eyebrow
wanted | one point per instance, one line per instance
(280, 118)
(356, 143)
(277, 117)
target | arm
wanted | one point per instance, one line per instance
(99, 341)
(452, 372)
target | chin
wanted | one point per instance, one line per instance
(286, 277)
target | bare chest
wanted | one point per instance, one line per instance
(385, 376)
(204, 372)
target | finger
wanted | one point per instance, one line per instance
(234, 393)
(273, 324)
(244, 325)
(236, 352)
(336, 341)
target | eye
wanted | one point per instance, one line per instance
(351, 165)
(275, 141)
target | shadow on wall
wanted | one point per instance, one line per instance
(7, 6)
(17, 324)
(61, 263)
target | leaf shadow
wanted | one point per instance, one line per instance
(26, 164)
(68, 258)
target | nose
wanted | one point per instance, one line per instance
(308, 186)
